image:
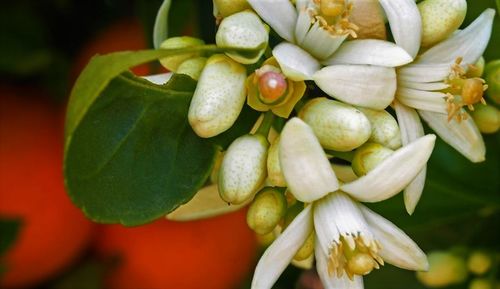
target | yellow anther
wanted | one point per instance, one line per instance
(472, 91)
(333, 17)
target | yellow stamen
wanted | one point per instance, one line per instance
(333, 17)
(354, 255)
(462, 91)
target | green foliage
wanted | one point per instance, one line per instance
(9, 230)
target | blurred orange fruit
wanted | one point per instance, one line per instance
(216, 253)
(53, 230)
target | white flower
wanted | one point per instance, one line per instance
(434, 85)
(351, 239)
(358, 72)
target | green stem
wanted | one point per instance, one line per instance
(266, 124)
(346, 156)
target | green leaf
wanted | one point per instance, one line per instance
(9, 230)
(134, 157)
(160, 30)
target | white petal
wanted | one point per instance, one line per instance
(411, 129)
(331, 281)
(370, 51)
(421, 99)
(279, 14)
(205, 204)
(277, 257)
(335, 216)
(362, 85)
(320, 43)
(305, 166)
(303, 25)
(409, 123)
(394, 173)
(397, 248)
(159, 79)
(413, 191)
(464, 136)
(469, 43)
(295, 62)
(429, 86)
(406, 24)
(424, 72)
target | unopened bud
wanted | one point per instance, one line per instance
(385, 129)
(306, 250)
(337, 126)
(172, 62)
(274, 173)
(229, 7)
(243, 168)
(368, 156)
(492, 77)
(243, 30)
(192, 67)
(486, 117)
(479, 262)
(444, 269)
(219, 96)
(440, 18)
(266, 210)
(480, 283)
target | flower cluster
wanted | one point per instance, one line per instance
(337, 81)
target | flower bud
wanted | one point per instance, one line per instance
(480, 283)
(229, 7)
(492, 77)
(243, 30)
(274, 173)
(385, 129)
(368, 156)
(337, 126)
(266, 210)
(172, 62)
(487, 118)
(444, 269)
(440, 18)
(192, 67)
(306, 250)
(243, 168)
(219, 96)
(479, 262)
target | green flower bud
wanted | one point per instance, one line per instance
(479, 262)
(337, 126)
(172, 62)
(243, 30)
(492, 77)
(229, 7)
(368, 156)
(440, 18)
(487, 118)
(243, 168)
(480, 283)
(444, 269)
(274, 173)
(477, 69)
(306, 250)
(385, 129)
(192, 67)
(266, 210)
(219, 96)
